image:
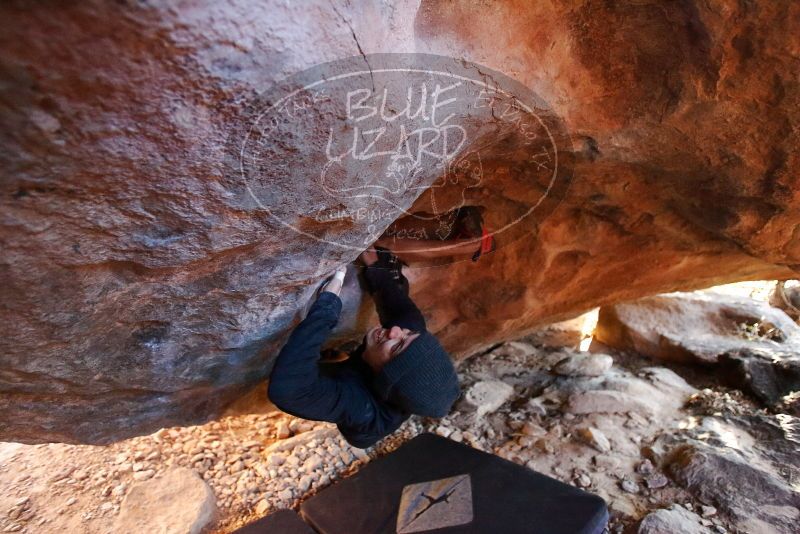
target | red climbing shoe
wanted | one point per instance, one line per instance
(488, 244)
(469, 224)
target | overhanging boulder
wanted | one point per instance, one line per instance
(142, 289)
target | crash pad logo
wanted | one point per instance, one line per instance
(417, 147)
(446, 502)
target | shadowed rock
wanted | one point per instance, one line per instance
(752, 345)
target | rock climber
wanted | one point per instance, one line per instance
(398, 370)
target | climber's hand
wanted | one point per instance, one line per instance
(335, 282)
(368, 257)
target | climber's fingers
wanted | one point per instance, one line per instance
(336, 281)
(368, 257)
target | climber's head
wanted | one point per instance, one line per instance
(412, 369)
(383, 344)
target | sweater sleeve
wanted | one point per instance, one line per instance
(298, 388)
(296, 385)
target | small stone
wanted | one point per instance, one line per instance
(304, 483)
(708, 511)
(645, 467)
(360, 454)
(144, 475)
(177, 501)
(636, 420)
(583, 481)
(605, 401)
(525, 441)
(313, 463)
(531, 429)
(236, 467)
(283, 431)
(656, 481)
(584, 364)
(106, 506)
(537, 407)
(262, 506)
(673, 520)
(606, 461)
(80, 475)
(443, 431)
(71, 501)
(629, 486)
(276, 459)
(593, 437)
(286, 494)
(544, 445)
(488, 395)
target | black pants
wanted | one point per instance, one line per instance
(389, 290)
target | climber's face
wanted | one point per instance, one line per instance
(383, 344)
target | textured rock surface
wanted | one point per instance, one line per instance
(584, 365)
(717, 458)
(756, 347)
(488, 395)
(671, 520)
(697, 327)
(140, 290)
(179, 502)
(787, 297)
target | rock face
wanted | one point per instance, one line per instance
(584, 365)
(488, 395)
(696, 327)
(674, 519)
(756, 347)
(787, 298)
(143, 287)
(718, 457)
(179, 502)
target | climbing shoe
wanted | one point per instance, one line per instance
(469, 225)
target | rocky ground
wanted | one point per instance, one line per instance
(671, 449)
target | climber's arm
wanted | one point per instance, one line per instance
(296, 385)
(389, 290)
